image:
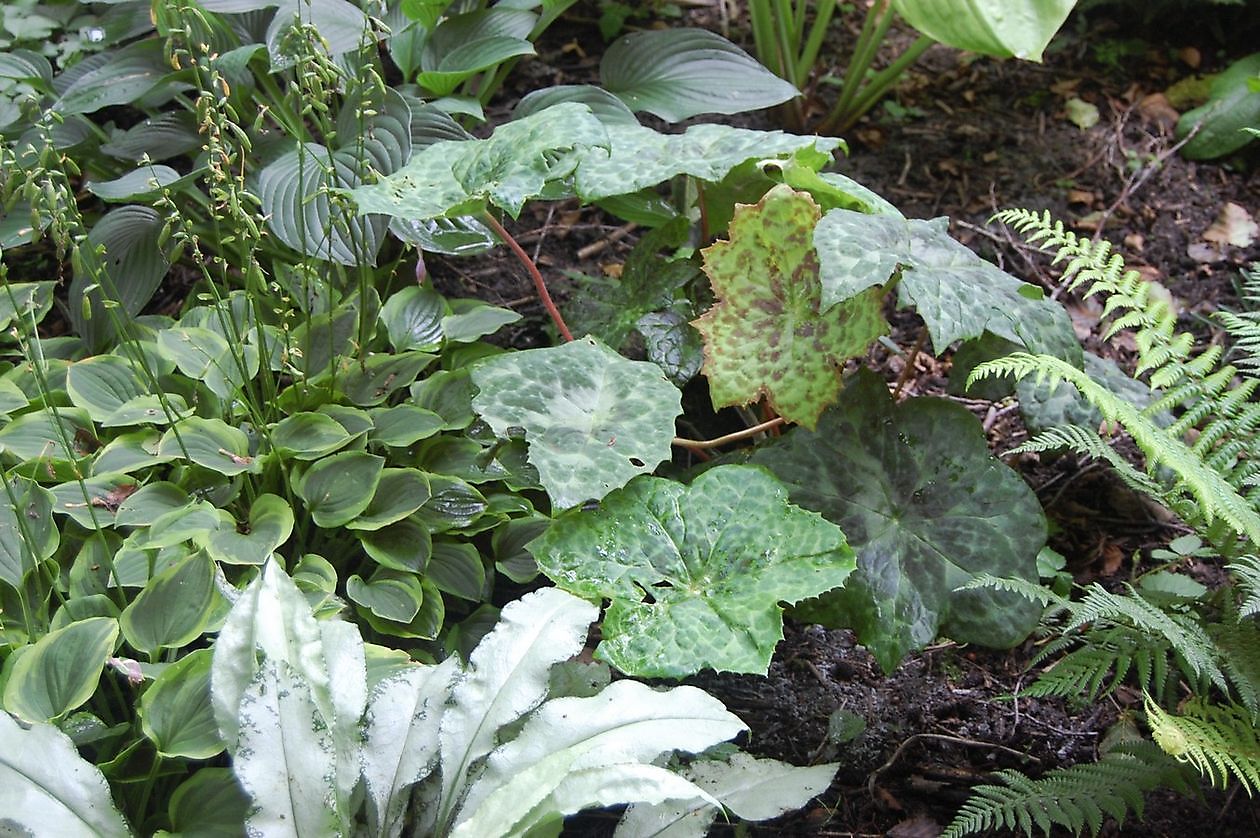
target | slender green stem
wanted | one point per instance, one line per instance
(879, 86)
(813, 44)
(874, 28)
(534, 273)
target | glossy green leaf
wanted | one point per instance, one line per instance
(176, 713)
(413, 318)
(308, 436)
(695, 574)
(169, 134)
(138, 184)
(148, 410)
(123, 77)
(448, 393)
(173, 608)
(130, 452)
(28, 533)
(958, 294)
(1233, 106)
(252, 541)
(425, 625)
(61, 671)
(405, 545)
(210, 443)
(399, 492)
(403, 425)
(209, 804)
(1004, 28)
(389, 595)
(769, 334)
(456, 568)
(593, 419)
(338, 488)
(47, 788)
(370, 381)
(680, 73)
(452, 504)
(473, 319)
(927, 508)
(511, 558)
(134, 266)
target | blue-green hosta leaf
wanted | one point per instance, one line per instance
(42, 435)
(607, 108)
(173, 608)
(520, 161)
(637, 157)
(338, 488)
(695, 574)
(46, 787)
(28, 533)
(593, 419)
(204, 355)
(148, 409)
(94, 500)
(1004, 28)
(60, 672)
(473, 319)
(169, 134)
(769, 334)
(927, 508)
(680, 73)
(176, 713)
(133, 267)
(342, 26)
(120, 79)
(25, 302)
(210, 443)
(405, 545)
(269, 525)
(210, 804)
(139, 184)
(102, 384)
(958, 294)
(150, 502)
(403, 425)
(308, 436)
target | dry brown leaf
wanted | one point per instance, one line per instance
(1234, 226)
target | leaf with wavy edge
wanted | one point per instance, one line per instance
(769, 334)
(593, 419)
(695, 574)
(926, 507)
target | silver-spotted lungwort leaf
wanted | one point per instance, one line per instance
(958, 294)
(695, 574)
(769, 333)
(927, 508)
(593, 419)
(521, 160)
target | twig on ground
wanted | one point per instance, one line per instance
(701, 444)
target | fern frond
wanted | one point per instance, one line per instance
(1074, 798)
(1218, 740)
(1238, 644)
(1247, 570)
(1029, 590)
(1101, 663)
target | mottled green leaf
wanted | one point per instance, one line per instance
(695, 574)
(927, 508)
(593, 419)
(768, 335)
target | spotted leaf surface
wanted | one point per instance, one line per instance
(696, 574)
(593, 419)
(768, 334)
(927, 508)
(958, 294)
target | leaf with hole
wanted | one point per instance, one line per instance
(592, 419)
(769, 334)
(695, 574)
(927, 508)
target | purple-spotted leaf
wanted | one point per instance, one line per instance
(767, 335)
(695, 573)
(592, 419)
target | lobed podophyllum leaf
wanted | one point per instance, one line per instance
(593, 419)
(1004, 28)
(695, 574)
(769, 333)
(927, 508)
(520, 161)
(680, 73)
(47, 788)
(958, 294)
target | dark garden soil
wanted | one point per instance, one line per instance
(964, 137)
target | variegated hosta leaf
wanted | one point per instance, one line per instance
(769, 333)
(523, 159)
(958, 294)
(593, 419)
(927, 508)
(695, 574)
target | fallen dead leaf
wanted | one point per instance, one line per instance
(1234, 226)
(1081, 196)
(1156, 108)
(920, 826)
(1191, 57)
(1135, 242)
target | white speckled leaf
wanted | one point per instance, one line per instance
(593, 419)
(695, 574)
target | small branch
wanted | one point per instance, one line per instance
(873, 779)
(534, 274)
(701, 444)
